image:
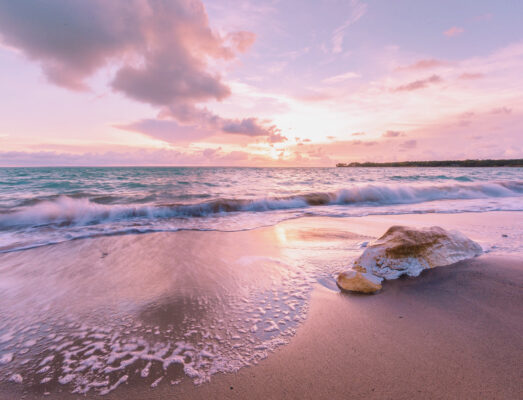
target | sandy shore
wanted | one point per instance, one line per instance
(450, 333)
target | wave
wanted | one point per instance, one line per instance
(67, 211)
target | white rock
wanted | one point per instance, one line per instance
(403, 250)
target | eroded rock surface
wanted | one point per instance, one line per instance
(355, 281)
(403, 250)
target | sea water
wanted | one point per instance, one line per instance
(40, 206)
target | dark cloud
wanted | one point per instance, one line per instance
(208, 124)
(160, 46)
(419, 84)
(247, 126)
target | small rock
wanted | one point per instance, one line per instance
(356, 281)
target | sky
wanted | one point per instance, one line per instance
(259, 83)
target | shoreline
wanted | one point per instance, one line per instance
(459, 326)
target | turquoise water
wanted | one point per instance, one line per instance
(41, 206)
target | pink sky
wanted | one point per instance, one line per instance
(258, 83)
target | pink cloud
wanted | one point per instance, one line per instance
(423, 65)
(454, 31)
(391, 134)
(115, 158)
(409, 144)
(471, 75)
(501, 110)
(419, 84)
(483, 17)
(201, 126)
(166, 130)
(162, 51)
(241, 40)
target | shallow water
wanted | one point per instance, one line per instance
(87, 316)
(40, 206)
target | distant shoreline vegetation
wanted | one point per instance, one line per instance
(449, 163)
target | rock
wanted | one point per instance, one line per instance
(356, 281)
(403, 250)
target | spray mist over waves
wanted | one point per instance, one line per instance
(73, 211)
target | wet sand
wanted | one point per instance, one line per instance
(453, 332)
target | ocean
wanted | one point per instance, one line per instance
(42, 206)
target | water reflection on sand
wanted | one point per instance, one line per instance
(90, 315)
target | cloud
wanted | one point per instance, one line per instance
(358, 134)
(409, 144)
(482, 17)
(341, 78)
(501, 110)
(166, 130)
(471, 76)
(241, 40)
(163, 44)
(423, 65)
(358, 10)
(419, 84)
(247, 126)
(313, 96)
(363, 142)
(454, 31)
(162, 52)
(114, 158)
(252, 127)
(202, 124)
(391, 134)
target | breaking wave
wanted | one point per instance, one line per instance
(74, 211)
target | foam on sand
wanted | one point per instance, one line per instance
(406, 251)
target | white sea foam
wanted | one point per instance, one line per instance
(66, 218)
(220, 332)
(82, 211)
